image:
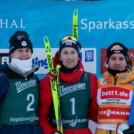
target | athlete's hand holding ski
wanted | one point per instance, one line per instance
(54, 84)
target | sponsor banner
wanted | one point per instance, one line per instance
(114, 95)
(115, 92)
(103, 58)
(113, 113)
(88, 58)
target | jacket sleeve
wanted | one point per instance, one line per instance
(93, 108)
(44, 104)
(4, 85)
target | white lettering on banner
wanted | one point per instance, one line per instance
(6, 23)
(22, 86)
(109, 24)
(73, 122)
(70, 89)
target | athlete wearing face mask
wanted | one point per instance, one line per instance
(19, 104)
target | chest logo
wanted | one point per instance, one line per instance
(22, 86)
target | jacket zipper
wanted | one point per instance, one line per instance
(115, 80)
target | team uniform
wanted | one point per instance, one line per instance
(114, 100)
(78, 91)
(19, 104)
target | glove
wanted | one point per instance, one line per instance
(56, 133)
(129, 131)
(51, 76)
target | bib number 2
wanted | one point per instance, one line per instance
(30, 99)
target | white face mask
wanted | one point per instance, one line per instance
(22, 65)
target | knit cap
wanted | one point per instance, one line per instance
(116, 48)
(20, 39)
(69, 41)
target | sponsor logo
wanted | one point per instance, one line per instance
(113, 113)
(103, 81)
(22, 86)
(89, 56)
(75, 25)
(123, 78)
(23, 119)
(109, 24)
(115, 92)
(116, 47)
(73, 122)
(40, 63)
(19, 37)
(73, 88)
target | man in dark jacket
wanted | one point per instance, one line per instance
(18, 108)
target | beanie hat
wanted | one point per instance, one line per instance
(20, 39)
(69, 41)
(116, 48)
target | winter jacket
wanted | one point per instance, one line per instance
(114, 99)
(21, 97)
(71, 85)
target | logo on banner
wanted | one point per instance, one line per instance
(7, 23)
(4, 58)
(109, 24)
(89, 56)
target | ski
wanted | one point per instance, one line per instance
(75, 23)
(54, 84)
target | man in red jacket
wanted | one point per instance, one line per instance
(78, 91)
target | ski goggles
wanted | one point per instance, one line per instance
(69, 37)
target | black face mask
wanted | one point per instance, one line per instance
(114, 72)
(66, 70)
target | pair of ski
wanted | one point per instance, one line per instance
(55, 83)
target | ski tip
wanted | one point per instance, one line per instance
(75, 12)
(45, 39)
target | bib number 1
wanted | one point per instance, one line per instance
(73, 105)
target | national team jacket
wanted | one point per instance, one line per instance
(114, 99)
(19, 98)
(78, 92)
